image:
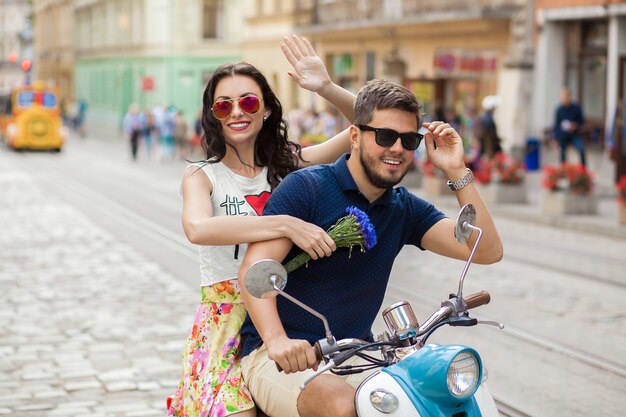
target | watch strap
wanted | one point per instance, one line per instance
(463, 182)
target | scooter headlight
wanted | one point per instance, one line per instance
(446, 375)
(463, 374)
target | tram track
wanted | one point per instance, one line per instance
(557, 245)
(524, 335)
(617, 263)
(507, 408)
(123, 215)
(174, 240)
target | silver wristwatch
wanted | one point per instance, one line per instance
(463, 182)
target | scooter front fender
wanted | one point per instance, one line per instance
(413, 388)
(382, 381)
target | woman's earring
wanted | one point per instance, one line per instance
(264, 118)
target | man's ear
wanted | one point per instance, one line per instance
(355, 137)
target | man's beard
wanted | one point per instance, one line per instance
(377, 180)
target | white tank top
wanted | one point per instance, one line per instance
(233, 195)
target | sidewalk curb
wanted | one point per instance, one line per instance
(531, 213)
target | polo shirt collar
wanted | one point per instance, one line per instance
(346, 181)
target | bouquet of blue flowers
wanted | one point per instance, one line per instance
(349, 231)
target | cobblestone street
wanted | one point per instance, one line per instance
(86, 323)
(99, 290)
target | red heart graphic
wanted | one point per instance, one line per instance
(257, 202)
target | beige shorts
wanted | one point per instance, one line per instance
(276, 393)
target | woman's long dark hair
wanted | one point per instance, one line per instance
(272, 147)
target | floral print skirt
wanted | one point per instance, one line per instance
(211, 385)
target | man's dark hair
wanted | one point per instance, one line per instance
(381, 95)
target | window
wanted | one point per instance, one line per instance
(343, 70)
(370, 66)
(210, 18)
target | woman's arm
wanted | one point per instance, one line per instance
(326, 152)
(202, 228)
(311, 74)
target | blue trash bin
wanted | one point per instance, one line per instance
(532, 154)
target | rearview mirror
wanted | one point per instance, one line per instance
(467, 217)
(265, 278)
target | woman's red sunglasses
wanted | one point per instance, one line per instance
(223, 108)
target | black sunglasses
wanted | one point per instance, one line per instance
(387, 137)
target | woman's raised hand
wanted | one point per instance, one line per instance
(309, 71)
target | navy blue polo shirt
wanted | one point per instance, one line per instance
(348, 290)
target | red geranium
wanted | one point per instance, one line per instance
(568, 177)
(501, 168)
(430, 170)
(621, 190)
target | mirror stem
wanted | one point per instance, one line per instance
(329, 336)
(469, 260)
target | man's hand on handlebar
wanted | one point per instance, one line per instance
(292, 355)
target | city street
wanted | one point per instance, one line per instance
(99, 288)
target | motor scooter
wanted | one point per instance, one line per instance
(415, 379)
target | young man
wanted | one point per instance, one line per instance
(349, 290)
(568, 120)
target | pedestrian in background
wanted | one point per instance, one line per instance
(247, 154)
(71, 113)
(568, 121)
(80, 117)
(196, 139)
(167, 142)
(181, 133)
(487, 131)
(149, 132)
(295, 122)
(133, 128)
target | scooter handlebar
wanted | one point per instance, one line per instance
(477, 299)
(318, 351)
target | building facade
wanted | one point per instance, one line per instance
(580, 44)
(54, 37)
(151, 52)
(266, 23)
(450, 53)
(16, 40)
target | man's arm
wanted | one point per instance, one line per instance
(448, 156)
(292, 355)
(440, 237)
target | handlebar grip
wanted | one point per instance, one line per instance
(477, 299)
(318, 351)
(318, 354)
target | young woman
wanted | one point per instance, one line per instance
(247, 154)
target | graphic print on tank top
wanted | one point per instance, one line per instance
(232, 207)
(257, 202)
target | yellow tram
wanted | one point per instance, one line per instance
(30, 118)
